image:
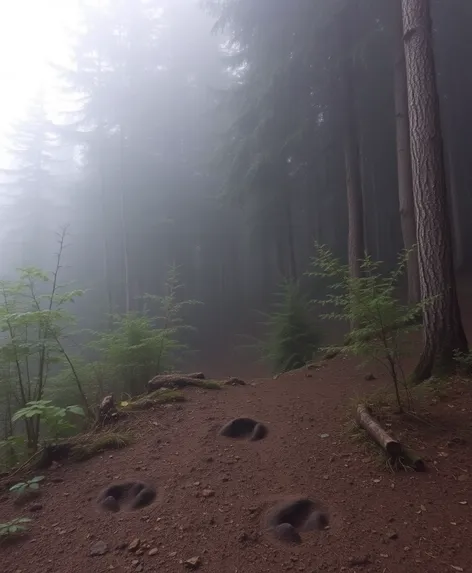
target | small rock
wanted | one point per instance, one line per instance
(208, 493)
(111, 504)
(153, 552)
(98, 548)
(392, 534)
(36, 507)
(462, 477)
(286, 532)
(134, 545)
(369, 377)
(193, 563)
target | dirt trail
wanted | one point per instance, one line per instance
(378, 521)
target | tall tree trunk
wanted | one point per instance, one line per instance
(443, 330)
(356, 247)
(292, 260)
(405, 180)
(356, 240)
(455, 209)
(105, 218)
(124, 236)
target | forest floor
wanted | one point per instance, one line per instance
(214, 492)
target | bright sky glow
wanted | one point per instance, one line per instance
(33, 34)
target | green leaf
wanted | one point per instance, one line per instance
(17, 487)
(37, 479)
(77, 410)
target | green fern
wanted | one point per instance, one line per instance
(292, 336)
(369, 303)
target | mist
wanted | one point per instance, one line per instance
(182, 158)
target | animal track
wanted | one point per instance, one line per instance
(126, 495)
(290, 518)
(244, 428)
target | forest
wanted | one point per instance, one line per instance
(207, 157)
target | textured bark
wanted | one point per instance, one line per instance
(405, 181)
(443, 330)
(455, 212)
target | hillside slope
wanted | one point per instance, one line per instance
(379, 521)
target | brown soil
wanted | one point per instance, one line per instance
(213, 494)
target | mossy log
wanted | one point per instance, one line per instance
(174, 381)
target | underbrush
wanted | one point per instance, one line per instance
(89, 445)
(292, 335)
(157, 398)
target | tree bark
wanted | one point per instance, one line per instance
(356, 246)
(455, 209)
(405, 180)
(376, 432)
(443, 330)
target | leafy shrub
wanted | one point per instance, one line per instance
(292, 336)
(369, 303)
(24, 486)
(139, 346)
(33, 323)
(14, 527)
(54, 418)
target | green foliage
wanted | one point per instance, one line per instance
(379, 321)
(23, 486)
(33, 324)
(139, 346)
(464, 360)
(292, 336)
(54, 417)
(14, 527)
(12, 449)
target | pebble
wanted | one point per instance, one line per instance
(133, 546)
(98, 548)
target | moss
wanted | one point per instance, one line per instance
(157, 398)
(92, 444)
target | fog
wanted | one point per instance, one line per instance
(182, 157)
(108, 124)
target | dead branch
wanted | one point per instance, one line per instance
(376, 432)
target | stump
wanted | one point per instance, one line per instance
(107, 409)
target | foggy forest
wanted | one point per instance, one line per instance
(240, 187)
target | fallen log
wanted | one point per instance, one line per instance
(174, 381)
(413, 460)
(377, 433)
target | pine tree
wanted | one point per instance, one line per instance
(443, 330)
